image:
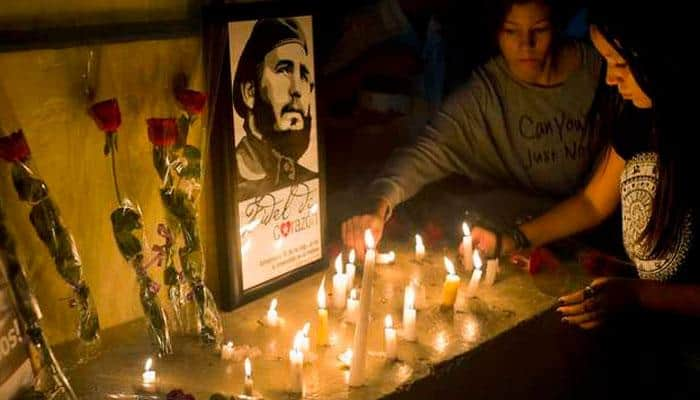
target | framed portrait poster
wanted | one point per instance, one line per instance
(266, 152)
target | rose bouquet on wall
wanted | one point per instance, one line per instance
(179, 167)
(127, 227)
(46, 220)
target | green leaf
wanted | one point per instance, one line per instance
(125, 220)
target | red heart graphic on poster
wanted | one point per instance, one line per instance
(285, 227)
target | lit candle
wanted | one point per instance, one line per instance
(340, 284)
(306, 342)
(148, 377)
(491, 271)
(227, 351)
(353, 309)
(420, 248)
(451, 285)
(409, 315)
(466, 248)
(421, 301)
(389, 338)
(386, 258)
(248, 383)
(350, 269)
(476, 276)
(296, 359)
(272, 318)
(359, 345)
(322, 334)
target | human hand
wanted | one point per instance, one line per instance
(603, 298)
(353, 232)
(485, 240)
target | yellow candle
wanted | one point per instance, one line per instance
(449, 289)
(248, 383)
(322, 334)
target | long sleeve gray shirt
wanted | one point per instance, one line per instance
(499, 131)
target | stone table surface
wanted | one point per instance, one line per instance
(443, 335)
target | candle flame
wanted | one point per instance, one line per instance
(229, 344)
(339, 264)
(351, 256)
(465, 229)
(273, 304)
(449, 266)
(410, 297)
(386, 258)
(369, 239)
(298, 340)
(314, 209)
(321, 295)
(388, 322)
(419, 241)
(353, 294)
(278, 243)
(148, 365)
(248, 368)
(477, 259)
(307, 327)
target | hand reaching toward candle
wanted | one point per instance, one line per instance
(353, 229)
(604, 297)
(485, 240)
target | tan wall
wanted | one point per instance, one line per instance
(41, 92)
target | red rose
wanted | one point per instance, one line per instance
(191, 101)
(107, 116)
(162, 131)
(14, 147)
(540, 258)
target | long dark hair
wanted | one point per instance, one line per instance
(654, 57)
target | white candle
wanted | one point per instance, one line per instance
(421, 301)
(386, 258)
(353, 309)
(420, 248)
(340, 282)
(306, 341)
(466, 248)
(296, 359)
(359, 346)
(350, 269)
(322, 333)
(389, 338)
(248, 383)
(272, 318)
(476, 276)
(346, 357)
(227, 351)
(409, 315)
(491, 271)
(451, 285)
(148, 377)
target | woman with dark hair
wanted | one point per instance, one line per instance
(648, 170)
(520, 122)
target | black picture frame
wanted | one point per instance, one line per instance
(232, 190)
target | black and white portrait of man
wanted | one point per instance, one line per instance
(273, 100)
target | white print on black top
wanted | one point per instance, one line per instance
(638, 188)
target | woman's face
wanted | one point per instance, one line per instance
(525, 39)
(619, 73)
